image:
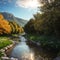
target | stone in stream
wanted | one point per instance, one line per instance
(57, 58)
(38, 43)
(39, 58)
(13, 58)
(7, 58)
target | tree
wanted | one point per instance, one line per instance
(48, 22)
(4, 26)
(8, 27)
(12, 27)
(29, 27)
(1, 17)
(51, 12)
(16, 28)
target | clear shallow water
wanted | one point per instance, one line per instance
(22, 51)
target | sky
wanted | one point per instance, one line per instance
(20, 8)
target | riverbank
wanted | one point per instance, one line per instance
(48, 43)
(5, 44)
(33, 44)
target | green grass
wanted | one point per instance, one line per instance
(4, 41)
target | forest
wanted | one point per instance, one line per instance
(9, 27)
(44, 27)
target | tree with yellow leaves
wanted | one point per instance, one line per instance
(1, 17)
(21, 30)
(16, 28)
(4, 26)
(8, 27)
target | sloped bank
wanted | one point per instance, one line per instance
(6, 50)
(47, 43)
(4, 41)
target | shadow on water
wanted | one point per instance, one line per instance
(24, 51)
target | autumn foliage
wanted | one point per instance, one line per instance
(16, 28)
(7, 27)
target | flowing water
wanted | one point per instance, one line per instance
(23, 51)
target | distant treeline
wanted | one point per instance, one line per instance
(9, 27)
(48, 21)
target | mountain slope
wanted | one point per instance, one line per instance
(11, 17)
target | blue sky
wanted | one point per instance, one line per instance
(20, 8)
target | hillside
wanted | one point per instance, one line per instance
(11, 17)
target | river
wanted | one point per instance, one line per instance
(24, 51)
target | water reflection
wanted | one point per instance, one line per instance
(22, 51)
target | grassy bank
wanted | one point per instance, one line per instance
(4, 41)
(47, 42)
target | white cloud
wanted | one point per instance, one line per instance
(9, 1)
(32, 4)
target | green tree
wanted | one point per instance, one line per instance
(29, 27)
(51, 12)
(48, 22)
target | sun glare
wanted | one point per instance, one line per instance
(32, 4)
